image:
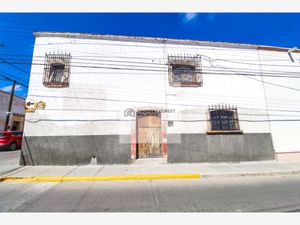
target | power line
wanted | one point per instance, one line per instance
(13, 76)
(94, 59)
(13, 80)
(152, 65)
(10, 50)
(204, 46)
(97, 55)
(210, 73)
(266, 82)
(12, 64)
(151, 93)
(132, 120)
(155, 103)
(255, 64)
(204, 104)
(122, 95)
(235, 73)
(182, 113)
(148, 64)
(143, 68)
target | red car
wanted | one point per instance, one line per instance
(10, 140)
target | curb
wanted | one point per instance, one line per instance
(280, 173)
(140, 177)
(10, 170)
(99, 178)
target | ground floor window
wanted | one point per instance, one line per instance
(223, 118)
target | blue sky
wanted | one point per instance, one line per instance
(16, 39)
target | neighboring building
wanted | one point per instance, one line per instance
(120, 98)
(16, 120)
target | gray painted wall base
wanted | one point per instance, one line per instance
(220, 148)
(75, 150)
(115, 149)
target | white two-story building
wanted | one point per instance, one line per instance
(121, 98)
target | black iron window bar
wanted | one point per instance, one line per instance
(185, 70)
(223, 117)
(57, 70)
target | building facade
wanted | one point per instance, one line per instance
(120, 98)
(16, 119)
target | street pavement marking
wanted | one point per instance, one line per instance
(99, 178)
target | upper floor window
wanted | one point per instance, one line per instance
(223, 118)
(185, 71)
(57, 70)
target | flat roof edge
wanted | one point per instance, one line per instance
(160, 40)
(142, 39)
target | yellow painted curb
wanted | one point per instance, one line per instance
(99, 178)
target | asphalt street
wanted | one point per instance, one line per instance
(10, 157)
(230, 194)
(245, 194)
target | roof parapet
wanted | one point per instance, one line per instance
(160, 40)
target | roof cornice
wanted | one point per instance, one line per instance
(160, 40)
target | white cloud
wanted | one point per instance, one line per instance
(189, 17)
(214, 16)
(211, 17)
(18, 87)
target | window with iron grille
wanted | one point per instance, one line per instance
(223, 118)
(185, 71)
(57, 70)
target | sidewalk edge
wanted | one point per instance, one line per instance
(277, 173)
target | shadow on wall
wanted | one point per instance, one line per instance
(25, 147)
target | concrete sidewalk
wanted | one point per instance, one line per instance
(159, 167)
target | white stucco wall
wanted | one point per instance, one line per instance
(283, 102)
(97, 93)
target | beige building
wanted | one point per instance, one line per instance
(16, 121)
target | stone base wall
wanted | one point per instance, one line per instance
(108, 149)
(220, 148)
(75, 150)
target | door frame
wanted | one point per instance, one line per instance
(137, 129)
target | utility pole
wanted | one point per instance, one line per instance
(8, 113)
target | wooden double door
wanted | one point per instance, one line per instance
(149, 134)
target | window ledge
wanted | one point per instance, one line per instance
(212, 132)
(186, 84)
(56, 85)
